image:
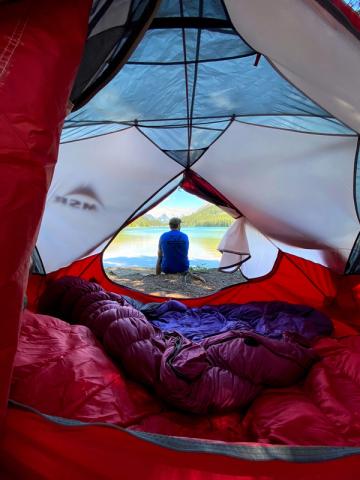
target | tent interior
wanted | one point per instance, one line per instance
(255, 109)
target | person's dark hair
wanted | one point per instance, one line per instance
(174, 222)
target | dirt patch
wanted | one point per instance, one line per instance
(198, 284)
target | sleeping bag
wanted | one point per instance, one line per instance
(221, 372)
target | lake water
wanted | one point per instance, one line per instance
(137, 247)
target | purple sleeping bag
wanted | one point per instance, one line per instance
(216, 374)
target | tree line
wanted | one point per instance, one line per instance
(207, 216)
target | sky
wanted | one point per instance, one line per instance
(177, 204)
(355, 4)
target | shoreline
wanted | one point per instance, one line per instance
(205, 281)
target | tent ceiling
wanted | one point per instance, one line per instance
(115, 27)
(206, 74)
(318, 55)
(298, 189)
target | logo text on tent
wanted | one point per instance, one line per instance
(72, 202)
(91, 202)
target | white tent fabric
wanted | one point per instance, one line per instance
(245, 247)
(97, 185)
(234, 247)
(263, 253)
(309, 47)
(295, 188)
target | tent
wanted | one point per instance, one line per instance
(252, 105)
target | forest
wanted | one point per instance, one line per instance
(207, 216)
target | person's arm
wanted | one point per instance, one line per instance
(158, 263)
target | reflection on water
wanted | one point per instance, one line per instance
(137, 247)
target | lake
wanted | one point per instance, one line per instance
(137, 247)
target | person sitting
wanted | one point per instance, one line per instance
(173, 250)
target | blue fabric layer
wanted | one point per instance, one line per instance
(271, 319)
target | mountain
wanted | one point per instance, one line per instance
(164, 218)
(207, 216)
(147, 221)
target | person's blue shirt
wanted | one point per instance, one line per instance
(174, 246)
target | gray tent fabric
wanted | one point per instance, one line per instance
(115, 27)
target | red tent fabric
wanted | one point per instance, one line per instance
(34, 447)
(292, 279)
(38, 63)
